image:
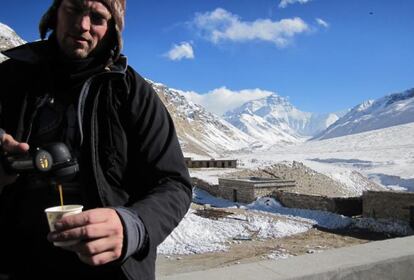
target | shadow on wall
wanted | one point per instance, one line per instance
(391, 181)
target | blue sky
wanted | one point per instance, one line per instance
(324, 55)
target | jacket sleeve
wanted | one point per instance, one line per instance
(134, 232)
(157, 175)
(12, 93)
(4, 87)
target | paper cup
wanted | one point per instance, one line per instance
(54, 214)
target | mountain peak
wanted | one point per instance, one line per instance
(364, 105)
(278, 114)
(393, 109)
(275, 99)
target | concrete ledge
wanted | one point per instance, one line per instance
(389, 259)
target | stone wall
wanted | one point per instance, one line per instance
(388, 205)
(240, 194)
(349, 206)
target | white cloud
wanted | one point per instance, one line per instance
(285, 3)
(181, 51)
(220, 25)
(222, 99)
(321, 22)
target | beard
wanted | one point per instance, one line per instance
(81, 47)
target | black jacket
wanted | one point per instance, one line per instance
(128, 143)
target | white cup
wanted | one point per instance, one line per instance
(54, 214)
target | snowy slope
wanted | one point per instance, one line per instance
(394, 109)
(384, 155)
(199, 131)
(266, 217)
(8, 39)
(274, 120)
(262, 130)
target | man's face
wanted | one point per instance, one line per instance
(82, 27)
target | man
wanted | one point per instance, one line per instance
(76, 88)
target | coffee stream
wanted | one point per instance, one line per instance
(61, 195)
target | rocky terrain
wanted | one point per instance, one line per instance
(308, 181)
(8, 39)
(254, 249)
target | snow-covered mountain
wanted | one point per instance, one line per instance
(8, 39)
(393, 109)
(274, 120)
(199, 131)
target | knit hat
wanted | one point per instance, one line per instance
(116, 7)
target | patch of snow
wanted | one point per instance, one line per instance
(196, 235)
(265, 218)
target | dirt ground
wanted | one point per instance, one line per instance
(245, 251)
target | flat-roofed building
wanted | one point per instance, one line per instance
(249, 189)
(211, 163)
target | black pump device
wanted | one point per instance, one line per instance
(53, 160)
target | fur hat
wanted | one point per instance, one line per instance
(116, 7)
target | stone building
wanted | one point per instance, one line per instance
(211, 163)
(389, 205)
(249, 189)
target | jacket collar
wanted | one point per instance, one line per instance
(32, 53)
(42, 51)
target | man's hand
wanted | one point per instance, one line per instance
(10, 146)
(100, 232)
